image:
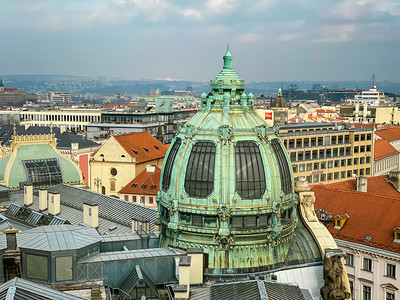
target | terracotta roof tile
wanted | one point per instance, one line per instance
(365, 211)
(389, 134)
(382, 149)
(142, 146)
(146, 183)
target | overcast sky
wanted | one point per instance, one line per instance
(270, 40)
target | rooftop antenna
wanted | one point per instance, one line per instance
(373, 79)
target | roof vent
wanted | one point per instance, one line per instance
(134, 151)
(144, 186)
(112, 228)
(368, 238)
(154, 186)
(134, 185)
(145, 149)
(156, 147)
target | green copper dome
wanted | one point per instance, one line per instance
(227, 184)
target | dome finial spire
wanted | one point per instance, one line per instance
(227, 59)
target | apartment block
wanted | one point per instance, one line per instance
(327, 152)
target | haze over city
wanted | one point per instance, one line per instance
(269, 40)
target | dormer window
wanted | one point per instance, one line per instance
(396, 237)
(340, 220)
(134, 185)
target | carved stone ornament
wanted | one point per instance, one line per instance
(302, 185)
(260, 131)
(307, 200)
(224, 241)
(190, 130)
(224, 213)
(334, 287)
(225, 131)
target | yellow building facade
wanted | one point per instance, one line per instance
(121, 159)
(325, 153)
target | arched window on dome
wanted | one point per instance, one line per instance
(199, 179)
(286, 182)
(250, 174)
(169, 164)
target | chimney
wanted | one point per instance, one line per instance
(140, 225)
(91, 214)
(54, 204)
(150, 169)
(42, 199)
(28, 194)
(362, 184)
(184, 275)
(196, 265)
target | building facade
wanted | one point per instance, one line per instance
(326, 153)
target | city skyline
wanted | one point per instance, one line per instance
(269, 40)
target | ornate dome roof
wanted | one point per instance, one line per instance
(279, 101)
(227, 184)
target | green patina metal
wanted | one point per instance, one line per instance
(237, 233)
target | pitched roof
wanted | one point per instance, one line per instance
(58, 238)
(375, 185)
(382, 149)
(19, 288)
(361, 208)
(142, 146)
(146, 183)
(389, 134)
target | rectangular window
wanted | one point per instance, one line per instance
(309, 179)
(350, 260)
(320, 141)
(362, 160)
(367, 264)
(369, 136)
(134, 199)
(347, 139)
(366, 292)
(341, 152)
(336, 163)
(349, 161)
(328, 152)
(323, 177)
(356, 137)
(368, 148)
(294, 167)
(348, 150)
(363, 137)
(368, 159)
(36, 267)
(151, 200)
(302, 168)
(336, 175)
(316, 178)
(327, 141)
(333, 140)
(335, 152)
(142, 199)
(64, 268)
(349, 174)
(356, 161)
(340, 139)
(299, 143)
(316, 166)
(391, 270)
(126, 197)
(313, 142)
(330, 176)
(367, 171)
(330, 164)
(307, 142)
(362, 149)
(292, 156)
(351, 289)
(309, 167)
(323, 165)
(343, 174)
(343, 163)
(285, 143)
(308, 155)
(315, 154)
(321, 153)
(300, 155)
(390, 296)
(291, 143)
(356, 149)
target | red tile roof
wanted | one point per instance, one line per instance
(365, 212)
(146, 183)
(382, 149)
(389, 134)
(375, 185)
(142, 146)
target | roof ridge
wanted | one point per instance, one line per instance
(355, 192)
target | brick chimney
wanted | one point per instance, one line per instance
(42, 199)
(91, 214)
(363, 184)
(28, 194)
(54, 203)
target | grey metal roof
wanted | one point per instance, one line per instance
(6, 223)
(58, 237)
(250, 289)
(71, 212)
(19, 288)
(137, 278)
(110, 208)
(134, 254)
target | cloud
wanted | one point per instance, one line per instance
(289, 37)
(192, 14)
(248, 38)
(336, 34)
(222, 6)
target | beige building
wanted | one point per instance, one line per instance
(326, 153)
(121, 159)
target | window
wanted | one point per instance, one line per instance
(315, 154)
(341, 151)
(169, 164)
(292, 156)
(321, 153)
(343, 163)
(43, 172)
(349, 161)
(366, 292)
(335, 152)
(309, 179)
(316, 166)
(368, 137)
(390, 296)
(294, 167)
(347, 139)
(302, 168)
(316, 178)
(309, 167)
(356, 149)
(300, 155)
(313, 142)
(126, 197)
(134, 199)
(356, 137)
(348, 150)
(286, 183)
(90, 211)
(336, 163)
(199, 179)
(306, 142)
(343, 174)
(362, 149)
(333, 140)
(356, 161)
(362, 160)
(323, 177)
(291, 144)
(250, 175)
(308, 155)
(299, 143)
(340, 139)
(141, 199)
(151, 200)
(368, 148)
(330, 176)
(391, 270)
(367, 264)
(320, 141)
(323, 165)
(351, 289)
(363, 137)
(350, 260)
(113, 171)
(336, 175)
(64, 268)
(330, 164)
(368, 159)
(112, 185)
(328, 152)
(36, 267)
